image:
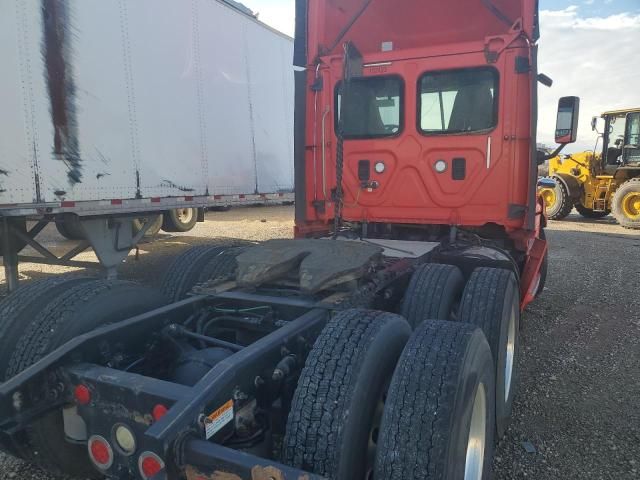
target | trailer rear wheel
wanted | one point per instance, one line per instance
(332, 428)
(438, 420)
(71, 312)
(21, 224)
(196, 265)
(69, 226)
(154, 228)
(491, 300)
(432, 293)
(180, 219)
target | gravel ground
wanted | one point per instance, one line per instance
(577, 405)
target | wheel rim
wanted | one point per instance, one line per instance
(631, 205)
(549, 196)
(477, 436)
(374, 432)
(511, 349)
(184, 215)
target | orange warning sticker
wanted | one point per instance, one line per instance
(218, 419)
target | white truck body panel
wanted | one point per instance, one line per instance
(107, 105)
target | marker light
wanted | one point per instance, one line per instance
(440, 166)
(82, 394)
(125, 439)
(380, 167)
(100, 452)
(149, 465)
(159, 411)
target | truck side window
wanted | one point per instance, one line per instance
(374, 107)
(458, 101)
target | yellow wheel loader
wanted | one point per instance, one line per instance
(600, 182)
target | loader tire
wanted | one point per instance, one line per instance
(432, 293)
(196, 265)
(156, 224)
(438, 419)
(69, 226)
(332, 428)
(557, 200)
(590, 213)
(72, 312)
(626, 204)
(180, 219)
(491, 301)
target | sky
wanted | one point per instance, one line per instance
(590, 48)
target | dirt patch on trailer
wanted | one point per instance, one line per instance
(576, 413)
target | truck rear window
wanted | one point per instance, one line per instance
(374, 108)
(458, 102)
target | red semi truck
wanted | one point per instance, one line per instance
(382, 343)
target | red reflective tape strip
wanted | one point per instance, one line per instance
(217, 197)
(155, 200)
(241, 196)
(188, 199)
(68, 204)
(116, 202)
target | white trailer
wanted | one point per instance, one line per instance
(113, 110)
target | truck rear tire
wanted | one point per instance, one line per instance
(491, 301)
(626, 204)
(332, 428)
(180, 219)
(62, 317)
(69, 226)
(557, 200)
(156, 224)
(432, 293)
(589, 213)
(196, 265)
(438, 419)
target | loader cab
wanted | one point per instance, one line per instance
(621, 139)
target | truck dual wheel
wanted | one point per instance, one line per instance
(491, 301)
(557, 200)
(196, 265)
(438, 420)
(333, 428)
(590, 213)
(626, 204)
(61, 315)
(432, 293)
(179, 220)
(156, 224)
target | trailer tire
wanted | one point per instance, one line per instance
(69, 226)
(626, 204)
(338, 401)
(21, 224)
(491, 301)
(440, 400)
(179, 219)
(557, 200)
(432, 293)
(590, 213)
(156, 224)
(72, 312)
(191, 267)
